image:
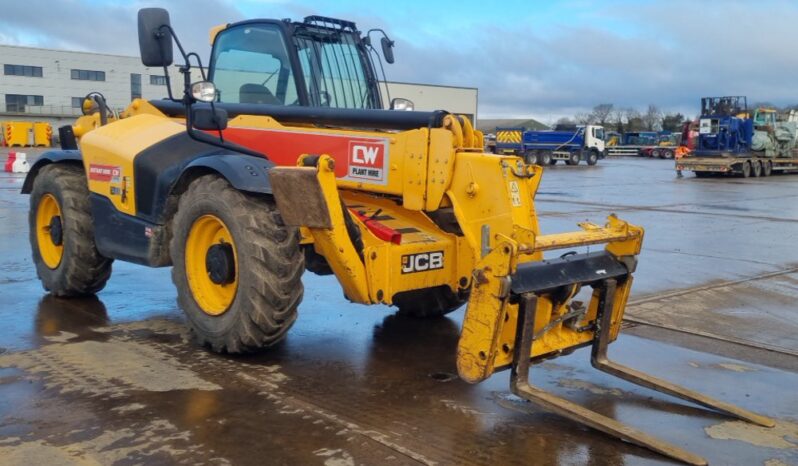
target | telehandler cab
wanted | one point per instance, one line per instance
(282, 159)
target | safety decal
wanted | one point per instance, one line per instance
(105, 173)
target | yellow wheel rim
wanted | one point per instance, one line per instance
(48, 214)
(213, 298)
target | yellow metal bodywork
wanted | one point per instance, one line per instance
(115, 146)
(489, 198)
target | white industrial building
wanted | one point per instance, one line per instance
(48, 85)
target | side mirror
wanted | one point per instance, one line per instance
(402, 104)
(387, 49)
(209, 119)
(155, 44)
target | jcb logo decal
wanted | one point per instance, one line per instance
(422, 262)
(367, 160)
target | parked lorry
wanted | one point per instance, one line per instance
(735, 141)
(546, 147)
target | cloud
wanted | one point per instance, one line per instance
(106, 27)
(669, 53)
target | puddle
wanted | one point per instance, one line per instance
(783, 436)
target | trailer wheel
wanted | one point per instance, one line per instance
(545, 158)
(237, 267)
(573, 159)
(666, 154)
(655, 153)
(62, 233)
(756, 168)
(746, 170)
(767, 168)
(531, 157)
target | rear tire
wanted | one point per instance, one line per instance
(756, 169)
(746, 170)
(67, 261)
(545, 158)
(767, 168)
(666, 154)
(573, 159)
(266, 272)
(429, 302)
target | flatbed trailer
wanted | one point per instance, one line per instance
(663, 152)
(740, 166)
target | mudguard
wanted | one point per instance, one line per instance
(245, 172)
(53, 156)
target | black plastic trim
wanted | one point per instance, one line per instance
(533, 277)
(53, 156)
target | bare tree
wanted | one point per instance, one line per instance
(583, 118)
(634, 121)
(652, 119)
(618, 119)
(601, 114)
(673, 122)
(564, 122)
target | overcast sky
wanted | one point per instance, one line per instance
(539, 59)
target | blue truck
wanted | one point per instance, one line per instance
(546, 147)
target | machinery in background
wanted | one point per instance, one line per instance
(732, 140)
(644, 143)
(546, 147)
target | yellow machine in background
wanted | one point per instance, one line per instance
(245, 182)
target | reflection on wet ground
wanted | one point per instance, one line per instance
(114, 379)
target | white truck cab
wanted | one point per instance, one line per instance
(594, 137)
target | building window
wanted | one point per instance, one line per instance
(88, 75)
(157, 80)
(17, 102)
(135, 86)
(77, 102)
(23, 70)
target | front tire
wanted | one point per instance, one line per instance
(62, 233)
(592, 158)
(531, 157)
(237, 267)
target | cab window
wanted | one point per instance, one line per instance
(250, 65)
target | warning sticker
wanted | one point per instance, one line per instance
(367, 161)
(104, 173)
(515, 194)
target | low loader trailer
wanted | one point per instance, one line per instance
(741, 166)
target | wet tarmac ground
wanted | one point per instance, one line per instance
(113, 379)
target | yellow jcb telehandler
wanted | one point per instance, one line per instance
(282, 159)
